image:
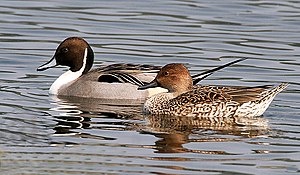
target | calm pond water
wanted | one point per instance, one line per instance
(40, 134)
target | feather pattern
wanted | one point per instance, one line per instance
(214, 103)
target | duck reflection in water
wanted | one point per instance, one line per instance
(175, 131)
(78, 113)
(77, 116)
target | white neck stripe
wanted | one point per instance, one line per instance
(68, 77)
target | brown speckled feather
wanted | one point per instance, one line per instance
(216, 103)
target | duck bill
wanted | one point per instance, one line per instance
(49, 64)
(152, 84)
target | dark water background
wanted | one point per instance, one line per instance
(44, 135)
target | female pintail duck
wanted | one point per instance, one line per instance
(208, 102)
(116, 81)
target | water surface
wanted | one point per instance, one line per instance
(40, 134)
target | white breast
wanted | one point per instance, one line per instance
(67, 77)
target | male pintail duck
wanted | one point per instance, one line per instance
(116, 81)
(219, 104)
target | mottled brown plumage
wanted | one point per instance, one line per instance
(217, 103)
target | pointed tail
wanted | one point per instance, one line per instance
(267, 98)
(273, 92)
(198, 77)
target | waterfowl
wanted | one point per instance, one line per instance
(216, 103)
(116, 81)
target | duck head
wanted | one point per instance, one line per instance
(175, 77)
(73, 52)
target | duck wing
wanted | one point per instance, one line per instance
(120, 77)
(129, 68)
(246, 94)
(135, 74)
(240, 94)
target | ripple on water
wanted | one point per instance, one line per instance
(41, 135)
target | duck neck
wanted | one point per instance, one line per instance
(68, 77)
(89, 59)
(180, 90)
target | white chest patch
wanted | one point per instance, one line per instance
(156, 90)
(67, 77)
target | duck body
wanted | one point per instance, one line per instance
(106, 82)
(216, 103)
(116, 81)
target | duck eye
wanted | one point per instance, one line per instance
(64, 50)
(166, 73)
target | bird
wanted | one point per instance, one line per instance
(217, 104)
(115, 81)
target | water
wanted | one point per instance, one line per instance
(40, 134)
